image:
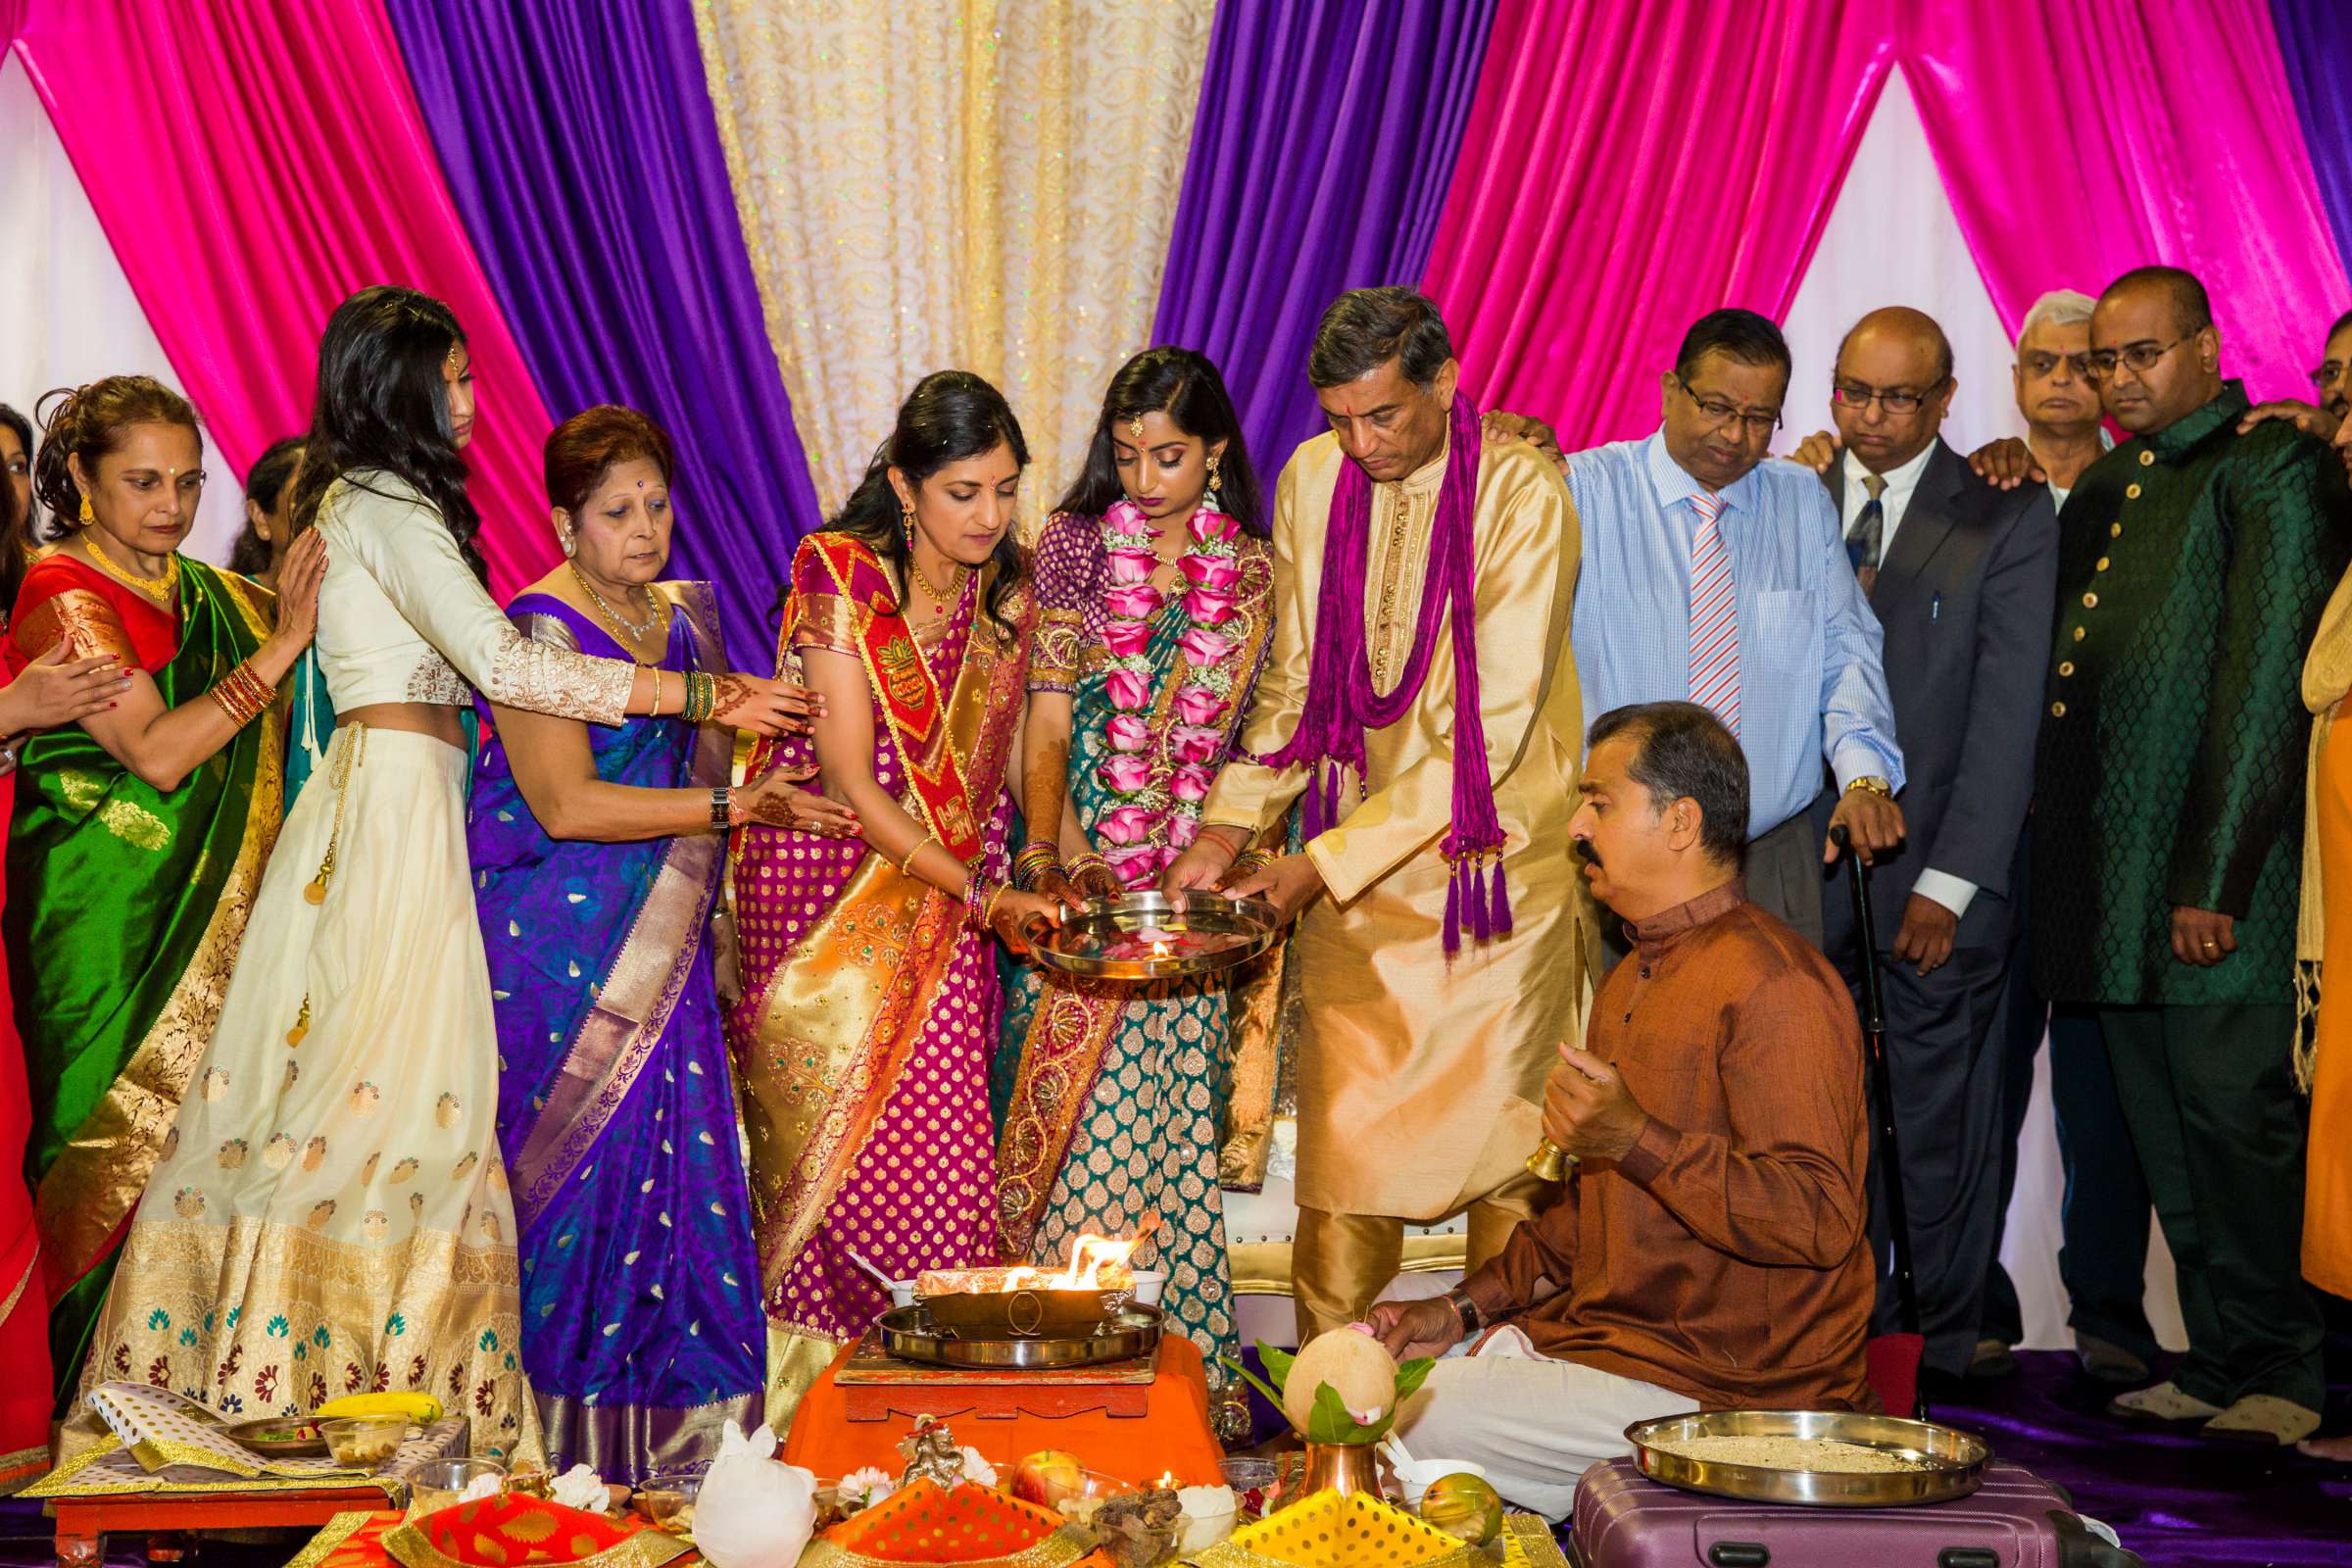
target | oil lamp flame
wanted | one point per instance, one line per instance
(1089, 1258)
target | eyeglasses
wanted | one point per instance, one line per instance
(1719, 413)
(2139, 356)
(2041, 363)
(2327, 375)
(1895, 401)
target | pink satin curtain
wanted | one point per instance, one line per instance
(1629, 167)
(2081, 138)
(254, 162)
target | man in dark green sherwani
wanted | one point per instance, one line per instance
(2170, 820)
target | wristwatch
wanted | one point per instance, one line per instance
(1873, 783)
(1466, 1310)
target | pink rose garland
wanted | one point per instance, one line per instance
(1155, 810)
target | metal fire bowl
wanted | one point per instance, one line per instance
(1950, 1462)
(909, 1334)
(1073, 948)
(1022, 1314)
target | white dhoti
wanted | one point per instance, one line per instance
(1532, 1423)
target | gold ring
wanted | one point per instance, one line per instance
(2211, 945)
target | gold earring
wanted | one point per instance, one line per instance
(907, 521)
(88, 515)
(1209, 500)
(572, 546)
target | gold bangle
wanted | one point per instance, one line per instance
(988, 910)
(906, 866)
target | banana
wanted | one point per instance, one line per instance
(422, 1408)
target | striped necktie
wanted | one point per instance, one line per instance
(1714, 618)
(1865, 542)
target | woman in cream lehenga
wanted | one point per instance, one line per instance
(331, 1214)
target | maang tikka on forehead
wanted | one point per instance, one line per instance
(1134, 429)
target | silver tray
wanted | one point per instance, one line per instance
(1074, 948)
(1951, 1461)
(908, 1333)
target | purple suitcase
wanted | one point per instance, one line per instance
(2015, 1520)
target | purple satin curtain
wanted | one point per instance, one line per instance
(1320, 161)
(2315, 43)
(586, 162)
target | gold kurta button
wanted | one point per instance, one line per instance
(2057, 709)
(2065, 668)
(2131, 491)
(2102, 562)
(2081, 633)
(2115, 530)
(2146, 459)
(2091, 601)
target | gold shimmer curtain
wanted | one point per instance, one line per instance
(986, 185)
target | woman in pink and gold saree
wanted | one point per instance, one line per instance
(870, 1004)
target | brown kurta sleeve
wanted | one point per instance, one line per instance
(1535, 1263)
(1778, 1189)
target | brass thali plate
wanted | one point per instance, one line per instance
(909, 1334)
(1113, 939)
(1945, 1462)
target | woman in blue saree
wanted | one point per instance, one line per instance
(598, 856)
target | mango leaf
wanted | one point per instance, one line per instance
(1411, 1377)
(1277, 1362)
(1274, 1396)
(1330, 1422)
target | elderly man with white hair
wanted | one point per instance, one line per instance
(2103, 1255)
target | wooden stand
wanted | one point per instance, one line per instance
(84, 1523)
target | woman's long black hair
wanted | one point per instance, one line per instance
(381, 404)
(950, 416)
(1185, 386)
(265, 482)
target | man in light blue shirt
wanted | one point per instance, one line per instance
(1782, 644)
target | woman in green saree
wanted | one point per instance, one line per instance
(138, 834)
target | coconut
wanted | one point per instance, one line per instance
(1359, 1369)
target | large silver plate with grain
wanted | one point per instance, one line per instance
(1925, 1462)
(908, 1333)
(1143, 936)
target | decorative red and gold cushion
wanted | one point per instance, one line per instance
(512, 1532)
(972, 1526)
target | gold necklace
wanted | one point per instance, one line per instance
(631, 632)
(157, 587)
(957, 576)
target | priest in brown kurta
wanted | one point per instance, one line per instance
(1420, 704)
(1708, 1250)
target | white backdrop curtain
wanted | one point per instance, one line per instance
(66, 314)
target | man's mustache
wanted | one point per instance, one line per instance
(1587, 852)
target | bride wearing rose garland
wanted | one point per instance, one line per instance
(1153, 583)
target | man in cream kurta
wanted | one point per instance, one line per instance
(1420, 1078)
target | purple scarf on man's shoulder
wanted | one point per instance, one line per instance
(1341, 703)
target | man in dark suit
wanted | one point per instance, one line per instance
(1962, 576)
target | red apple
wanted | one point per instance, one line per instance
(1047, 1476)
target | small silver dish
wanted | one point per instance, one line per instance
(1944, 1461)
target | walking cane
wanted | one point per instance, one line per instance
(1882, 1094)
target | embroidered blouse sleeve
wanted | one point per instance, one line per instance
(821, 615)
(408, 552)
(1068, 553)
(54, 608)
